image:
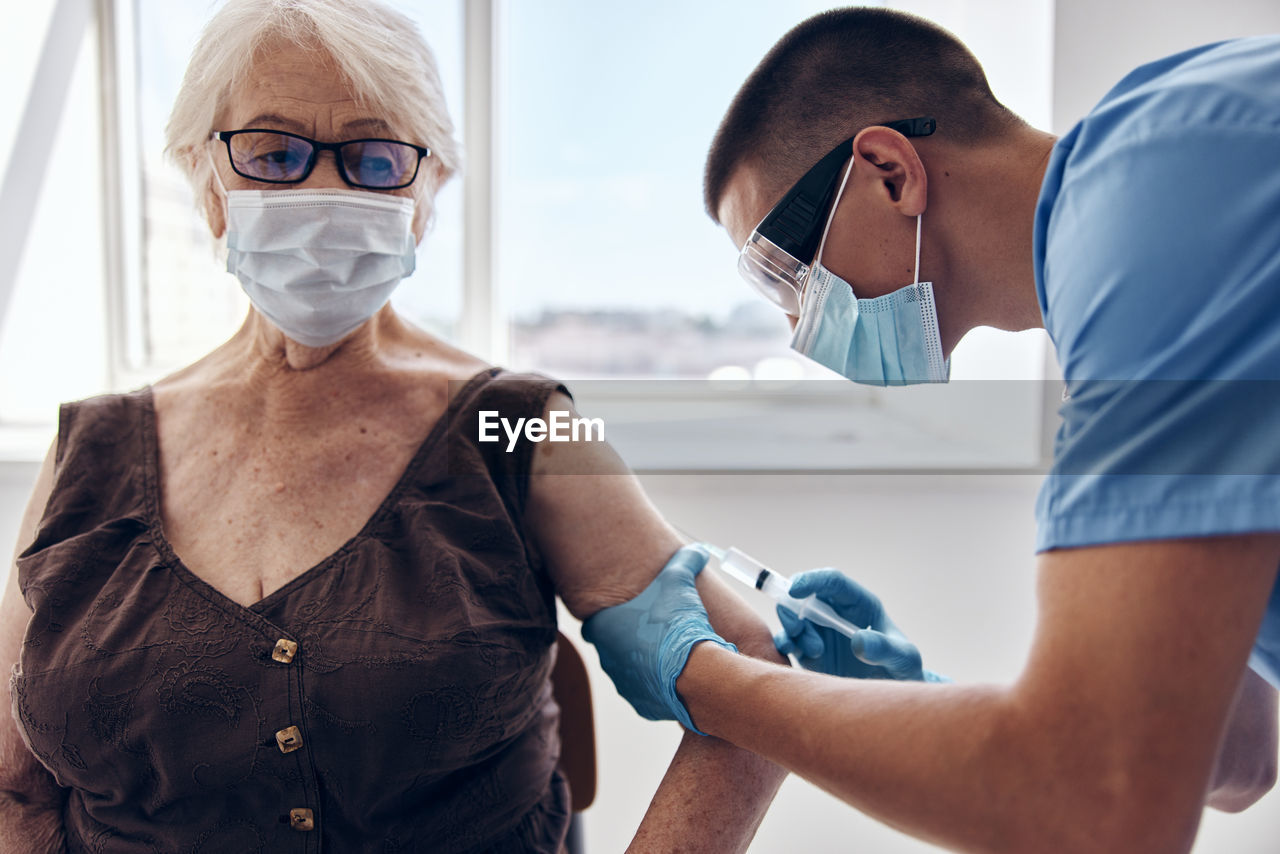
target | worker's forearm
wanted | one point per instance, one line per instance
(960, 766)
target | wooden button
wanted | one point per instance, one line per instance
(289, 739)
(285, 650)
(302, 819)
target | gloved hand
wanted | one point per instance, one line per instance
(880, 652)
(645, 642)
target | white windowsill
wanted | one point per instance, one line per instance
(23, 444)
(684, 426)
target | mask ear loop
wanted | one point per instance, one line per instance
(221, 242)
(826, 229)
(919, 217)
(831, 218)
(226, 197)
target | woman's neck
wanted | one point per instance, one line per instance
(261, 344)
(296, 383)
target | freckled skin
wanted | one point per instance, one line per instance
(256, 433)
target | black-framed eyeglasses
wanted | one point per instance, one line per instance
(776, 257)
(280, 157)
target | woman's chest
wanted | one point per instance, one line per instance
(248, 511)
(401, 668)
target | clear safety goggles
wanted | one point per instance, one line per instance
(775, 259)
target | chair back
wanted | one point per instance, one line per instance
(572, 691)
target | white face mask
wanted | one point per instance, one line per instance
(319, 263)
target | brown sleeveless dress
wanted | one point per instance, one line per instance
(414, 713)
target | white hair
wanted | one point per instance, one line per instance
(378, 50)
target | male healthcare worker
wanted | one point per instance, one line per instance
(1147, 242)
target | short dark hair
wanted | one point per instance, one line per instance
(839, 72)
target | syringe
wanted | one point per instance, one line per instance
(753, 573)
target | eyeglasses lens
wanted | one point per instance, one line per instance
(380, 163)
(270, 156)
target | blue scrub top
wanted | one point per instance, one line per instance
(1157, 262)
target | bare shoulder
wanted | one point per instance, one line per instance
(430, 357)
(586, 453)
(408, 372)
(603, 539)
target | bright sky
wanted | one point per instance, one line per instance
(609, 118)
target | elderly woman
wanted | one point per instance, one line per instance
(283, 600)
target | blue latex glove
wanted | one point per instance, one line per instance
(881, 652)
(645, 642)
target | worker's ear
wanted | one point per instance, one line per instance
(889, 169)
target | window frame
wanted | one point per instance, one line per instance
(123, 204)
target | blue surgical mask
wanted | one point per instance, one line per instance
(888, 340)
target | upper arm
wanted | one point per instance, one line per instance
(15, 760)
(1246, 765)
(13, 610)
(601, 537)
(1151, 268)
(1167, 328)
(604, 541)
(1139, 651)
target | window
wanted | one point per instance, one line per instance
(52, 335)
(607, 262)
(609, 267)
(602, 260)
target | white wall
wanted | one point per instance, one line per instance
(1096, 42)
